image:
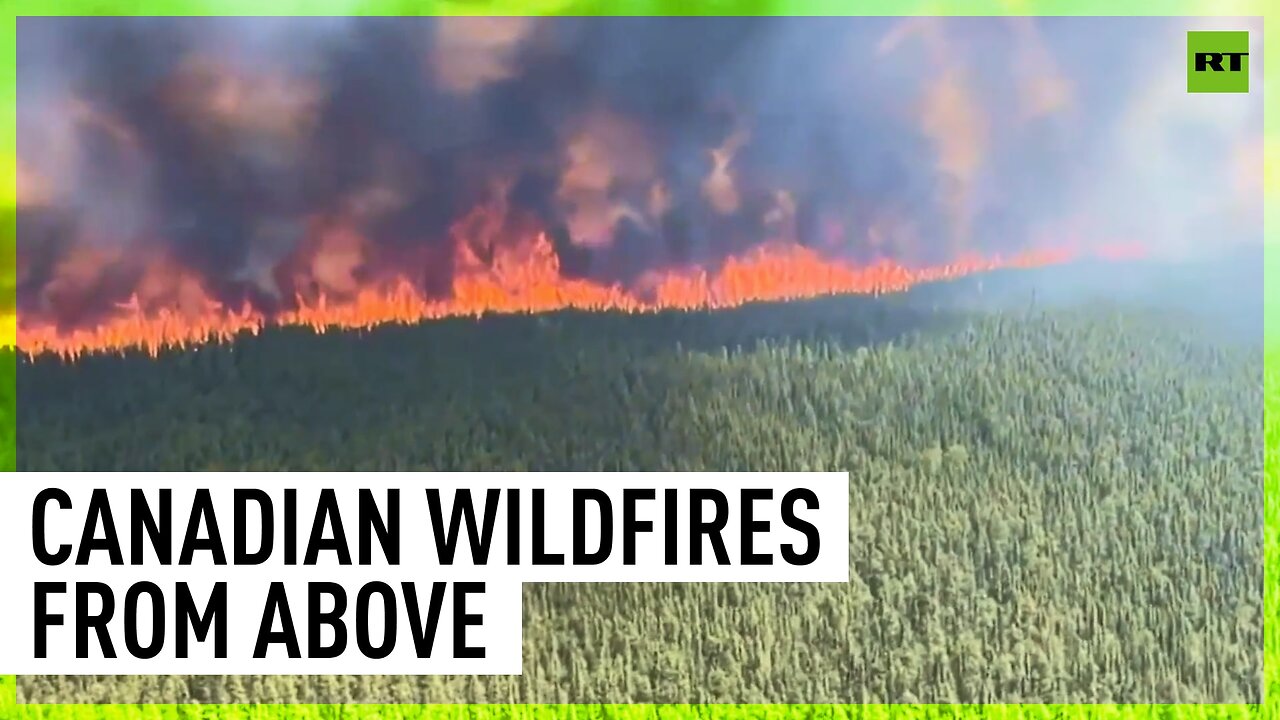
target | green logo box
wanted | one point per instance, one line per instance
(1217, 62)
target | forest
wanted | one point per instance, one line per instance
(1056, 496)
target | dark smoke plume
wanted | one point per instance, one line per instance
(283, 158)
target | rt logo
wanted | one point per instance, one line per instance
(1217, 62)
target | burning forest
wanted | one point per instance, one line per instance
(182, 180)
(1049, 501)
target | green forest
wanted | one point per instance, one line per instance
(1055, 497)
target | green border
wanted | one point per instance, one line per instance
(9, 708)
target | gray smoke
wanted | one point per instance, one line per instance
(280, 158)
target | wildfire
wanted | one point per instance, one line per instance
(520, 280)
(282, 178)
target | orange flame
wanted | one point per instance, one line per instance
(522, 278)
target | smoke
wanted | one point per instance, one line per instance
(165, 161)
(1190, 163)
(471, 52)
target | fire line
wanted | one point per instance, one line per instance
(532, 286)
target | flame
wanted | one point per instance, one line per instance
(520, 278)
